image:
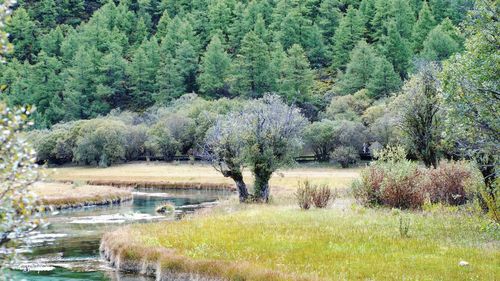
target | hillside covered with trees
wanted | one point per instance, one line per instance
(76, 59)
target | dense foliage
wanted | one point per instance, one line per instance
(81, 59)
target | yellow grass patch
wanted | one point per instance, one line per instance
(72, 195)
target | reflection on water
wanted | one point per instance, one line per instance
(68, 249)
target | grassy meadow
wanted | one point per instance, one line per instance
(281, 242)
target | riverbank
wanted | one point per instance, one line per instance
(281, 242)
(54, 195)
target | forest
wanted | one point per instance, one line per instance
(76, 59)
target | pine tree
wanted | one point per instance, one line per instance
(219, 17)
(46, 13)
(384, 80)
(187, 65)
(114, 77)
(367, 8)
(422, 27)
(350, 31)
(51, 42)
(403, 17)
(439, 44)
(214, 69)
(251, 68)
(382, 16)
(170, 82)
(162, 27)
(328, 19)
(396, 50)
(23, 34)
(359, 69)
(298, 79)
(142, 71)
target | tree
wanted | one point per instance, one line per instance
(186, 59)
(403, 17)
(251, 75)
(329, 18)
(421, 119)
(214, 69)
(359, 69)
(142, 71)
(439, 44)
(345, 156)
(23, 32)
(422, 27)
(384, 80)
(380, 19)
(170, 82)
(18, 170)
(320, 136)
(297, 79)
(271, 131)
(471, 95)
(396, 50)
(347, 35)
(263, 136)
(224, 148)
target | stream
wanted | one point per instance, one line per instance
(68, 248)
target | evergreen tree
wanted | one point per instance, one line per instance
(359, 69)
(403, 17)
(422, 27)
(367, 8)
(214, 69)
(187, 65)
(350, 31)
(298, 78)
(384, 80)
(114, 78)
(23, 34)
(51, 42)
(162, 27)
(142, 73)
(46, 89)
(251, 70)
(379, 21)
(170, 82)
(439, 45)
(396, 50)
(46, 13)
(219, 16)
(328, 19)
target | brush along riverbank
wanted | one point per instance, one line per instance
(63, 196)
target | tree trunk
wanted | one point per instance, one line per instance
(242, 189)
(262, 185)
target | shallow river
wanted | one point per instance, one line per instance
(68, 249)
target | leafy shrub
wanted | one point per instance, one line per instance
(304, 195)
(367, 189)
(450, 183)
(136, 139)
(161, 143)
(392, 181)
(102, 142)
(345, 155)
(322, 196)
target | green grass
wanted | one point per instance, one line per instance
(332, 244)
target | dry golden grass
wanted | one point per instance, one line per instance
(70, 195)
(201, 173)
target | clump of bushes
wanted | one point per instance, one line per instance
(345, 156)
(396, 182)
(309, 194)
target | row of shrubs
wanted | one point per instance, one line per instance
(159, 133)
(396, 182)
